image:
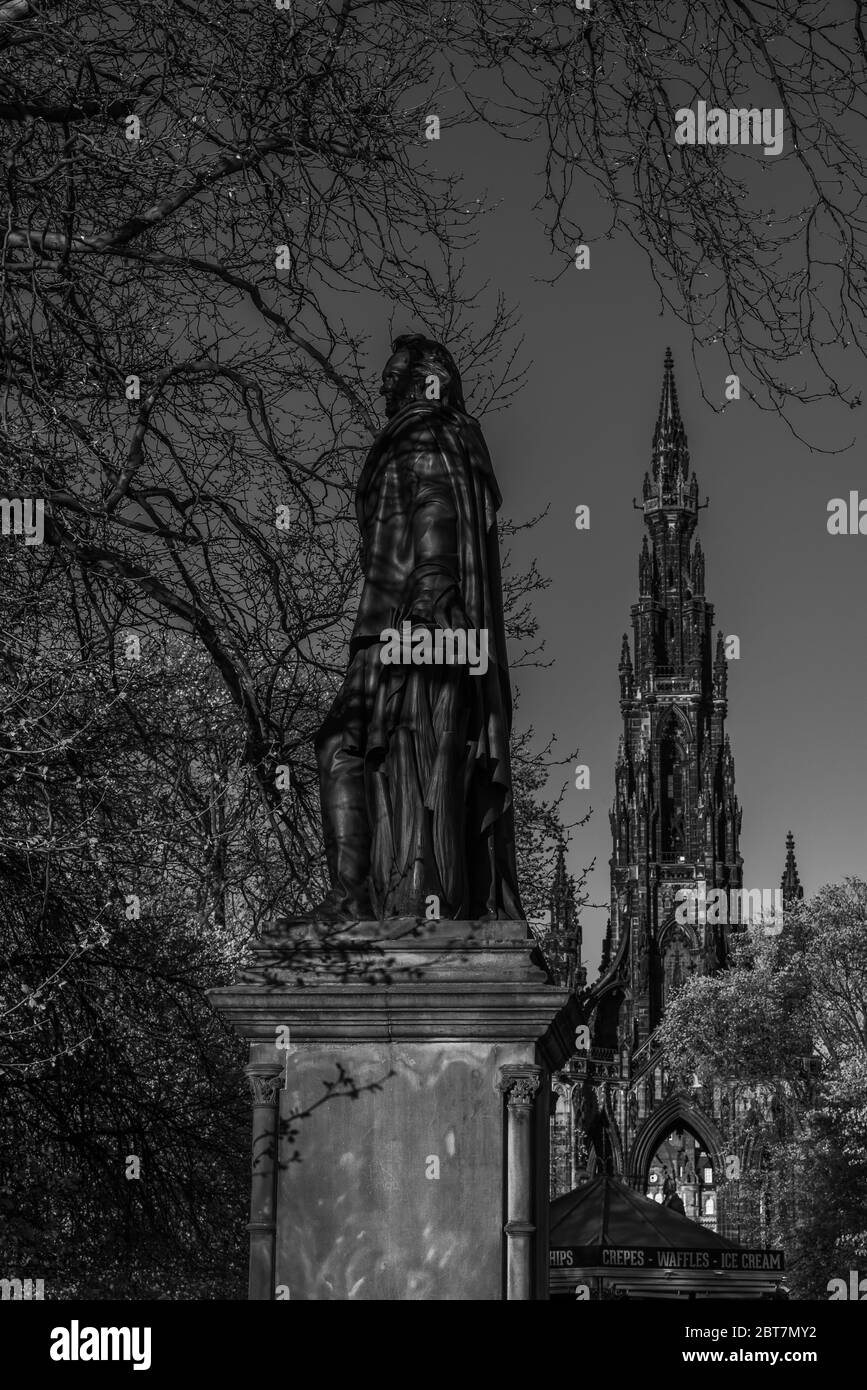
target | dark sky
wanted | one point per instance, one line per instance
(580, 432)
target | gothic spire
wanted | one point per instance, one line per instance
(564, 932)
(698, 569)
(675, 810)
(625, 671)
(790, 882)
(670, 454)
(645, 569)
(560, 887)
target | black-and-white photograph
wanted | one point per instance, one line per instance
(433, 833)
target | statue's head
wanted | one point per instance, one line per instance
(420, 370)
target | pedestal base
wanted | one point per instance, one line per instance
(400, 1110)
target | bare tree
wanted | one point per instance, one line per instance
(763, 256)
(207, 206)
(210, 205)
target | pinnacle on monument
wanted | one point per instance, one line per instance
(645, 566)
(790, 883)
(607, 948)
(565, 935)
(560, 885)
(670, 453)
(625, 655)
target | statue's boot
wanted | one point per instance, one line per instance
(335, 908)
(346, 831)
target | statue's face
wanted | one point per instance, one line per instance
(396, 381)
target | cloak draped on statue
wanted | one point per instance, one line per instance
(425, 746)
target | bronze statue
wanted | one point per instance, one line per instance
(413, 756)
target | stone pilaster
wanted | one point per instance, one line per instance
(519, 1085)
(265, 1093)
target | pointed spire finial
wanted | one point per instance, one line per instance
(790, 883)
(565, 924)
(670, 454)
(560, 868)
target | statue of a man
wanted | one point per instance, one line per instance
(413, 756)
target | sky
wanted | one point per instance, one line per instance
(580, 433)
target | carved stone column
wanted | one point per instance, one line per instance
(265, 1090)
(519, 1085)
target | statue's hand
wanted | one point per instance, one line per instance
(432, 610)
(450, 613)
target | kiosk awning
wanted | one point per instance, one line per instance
(604, 1234)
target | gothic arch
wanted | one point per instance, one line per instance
(662, 1120)
(603, 1138)
(675, 724)
(595, 1166)
(614, 977)
(614, 985)
(610, 1009)
(754, 1150)
(674, 747)
(688, 929)
(563, 1092)
(679, 957)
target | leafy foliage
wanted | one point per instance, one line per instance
(787, 1026)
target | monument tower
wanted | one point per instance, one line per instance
(675, 821)
(675, 825)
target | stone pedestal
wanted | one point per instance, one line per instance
(400, 1076)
